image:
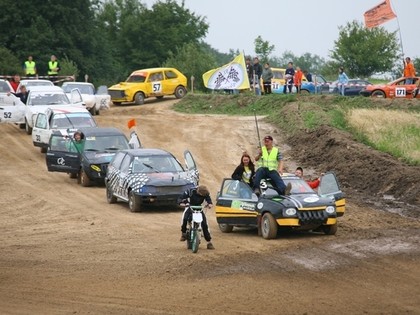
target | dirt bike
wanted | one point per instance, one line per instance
(194, 228)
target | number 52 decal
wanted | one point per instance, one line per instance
(7, 115)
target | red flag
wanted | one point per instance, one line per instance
(379, 14)
(131, 123)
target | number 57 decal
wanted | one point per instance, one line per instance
(157, 87)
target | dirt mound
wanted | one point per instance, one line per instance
(360, 169)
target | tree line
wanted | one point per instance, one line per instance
(109, 39)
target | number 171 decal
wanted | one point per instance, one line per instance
(400, 92)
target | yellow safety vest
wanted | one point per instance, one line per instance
(52, 65)
(30, 67)
(269, 160)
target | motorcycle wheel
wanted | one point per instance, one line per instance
(189, 246)
(195, 242)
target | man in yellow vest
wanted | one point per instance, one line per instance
(270, 161)
(30, 67)
(53, 66)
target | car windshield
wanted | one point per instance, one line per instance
(37, 83)
(156, 164)
(83, 88)
(72, 120)
(136, 78)
(299, 186)
(106, 143)
(48, 98)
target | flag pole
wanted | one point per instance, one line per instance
(399, 29)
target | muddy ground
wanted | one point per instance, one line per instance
(64, 250)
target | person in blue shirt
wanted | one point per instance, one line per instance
(343, 79)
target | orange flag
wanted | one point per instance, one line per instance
(379, 14)
(131, 123)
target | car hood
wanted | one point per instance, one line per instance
(96, 157)
(307, 201)
(168, 179)
(123, 85)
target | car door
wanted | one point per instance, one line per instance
(41, 131)
(236, 204)
(330, 187)
(12, 110)
(76, 98)
(191, 167)
(123, 183)
(155, 84)
(59, 158)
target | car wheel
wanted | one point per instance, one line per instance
(27, 128)
(269, 226)
(84, 180)
(22, 126)
(225, 228)
(330, 229)
(180, 92)
(159, 97)
(133, 202)
(139, 98)
(379, 94)
(304, 92)
(110, 198)
(97, 112)
(44, 150)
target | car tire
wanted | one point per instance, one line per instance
(22, 126)
(110, 198)
(83, 179)
(378, 94)
(269, 226)
(139, 98)
(97, 112)
(304, 92)
(27, 128)
(134, 202)
(180, 92)
(330, 229)
(225, 228)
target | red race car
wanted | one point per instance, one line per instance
(401, 88)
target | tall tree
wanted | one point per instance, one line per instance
(263, 48)
(364, 51)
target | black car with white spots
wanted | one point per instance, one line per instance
(149, 177)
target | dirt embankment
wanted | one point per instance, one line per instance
(64, 250)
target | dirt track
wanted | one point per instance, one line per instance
(64, 250)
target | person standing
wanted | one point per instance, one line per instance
(297, 79)
(343, 79)
(256, 77)
(15, 82)
(409, 71)
(289, 74)
(53, 66)
(270, 162)
(267, 75)
(30, 67)
(249, 69)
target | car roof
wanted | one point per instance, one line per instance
(76, 83)
(146, 152)
(67, 109)
(25, 81)
(151, 70)
(101, 131)
(46, 88)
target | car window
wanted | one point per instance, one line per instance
(105, 143)
(235, 189)
(277, 74)
(118, 159)
(170, 74)
(299, 186)
(328, 185)
(48, 99)
(157, 76)
(60, 143)
(41, 121)
(136, 78)
(125, 164)
(4, 87)
(72, 120)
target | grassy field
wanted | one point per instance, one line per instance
(388, 125)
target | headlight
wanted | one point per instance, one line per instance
(330, 209)
(290, 211)
(96, 168)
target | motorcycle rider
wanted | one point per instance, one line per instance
(195, 197)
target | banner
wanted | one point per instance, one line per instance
(231, 76)
(131, 123)
(379, 14)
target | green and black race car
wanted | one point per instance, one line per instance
(303, 209)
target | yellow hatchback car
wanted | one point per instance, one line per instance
(153, 82)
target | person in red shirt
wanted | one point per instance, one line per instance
(15, 82)
(297, 79)
(312, 183)
(409, 71)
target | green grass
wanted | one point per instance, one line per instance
(294, 113)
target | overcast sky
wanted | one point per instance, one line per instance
(297, 25)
